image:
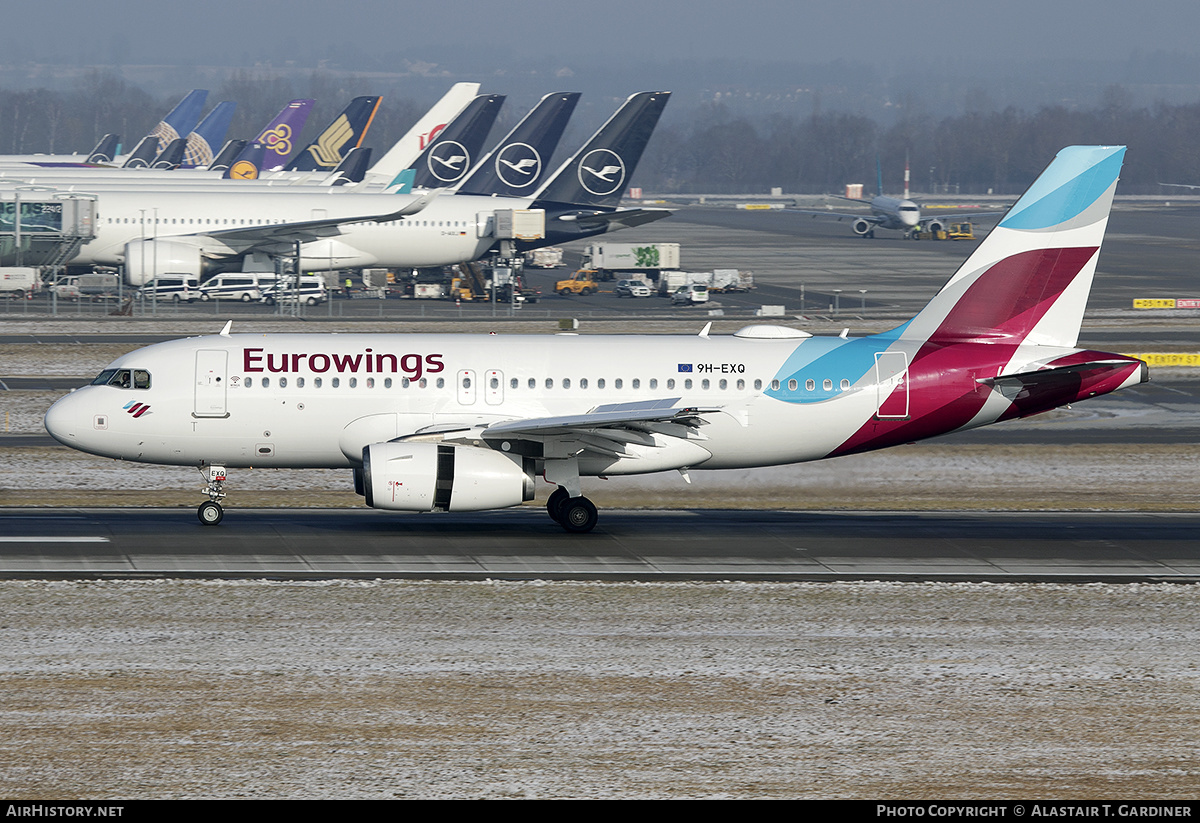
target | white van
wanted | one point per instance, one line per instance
(689, 294)
(312, 290)
(178, 288)
(245, 287)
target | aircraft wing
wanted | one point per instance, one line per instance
(245, 238)
(623, 218)
(839, 215)
(613, 416)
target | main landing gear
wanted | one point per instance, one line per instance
(210, 512)
(575, 514)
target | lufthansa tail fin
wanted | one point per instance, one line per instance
(203, 142)
(170, 157)
(350, 170)
(598, 173)
(143, 153)
(518, 164)
(404, 153)
(105, 150)
(1029, 280)
(346, 132)
(248, 164)
(448, 158)
(227, 155)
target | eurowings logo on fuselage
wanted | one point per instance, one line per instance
(136, 409)
(601, 172)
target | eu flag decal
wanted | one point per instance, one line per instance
(685, 367)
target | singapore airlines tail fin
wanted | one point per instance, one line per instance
(447, 159)
(345, 133)
(518, 164)
(1029, 280)
(203, 142)
(598, 173)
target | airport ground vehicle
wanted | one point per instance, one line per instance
(583, 283)
(610, 259)
(550, 257)
(245, 287)
(18, 281)
(310, 291)
(690, 294)
(632, 288)
(178, 288)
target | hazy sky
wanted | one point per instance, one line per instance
(443, 31)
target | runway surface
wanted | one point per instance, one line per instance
(627, 545)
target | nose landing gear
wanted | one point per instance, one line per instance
(210, 512)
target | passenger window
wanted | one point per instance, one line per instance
(299, 382)
(635, 383)
(704, 384)
(533, 383)
(845, 384)
(758, 385)
(671, 383)
(441, 382)
(809, 385)
(512, 384)
(566, 382)
(774, 385)
(600, 383)
(549, 382)
(618, 383)
(654, 382)
(583, 384)
(687, 384)
(316, 382)
(724, 384)
(827, 384)
(334, 382)
(283, 382)
(370, 382)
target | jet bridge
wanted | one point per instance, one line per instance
(44, 227)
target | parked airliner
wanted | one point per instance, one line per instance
(449, 422)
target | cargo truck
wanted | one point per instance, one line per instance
(609, 259)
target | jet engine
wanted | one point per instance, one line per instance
(145, 257)
(862, 227)
(422, 477)
(934, 226)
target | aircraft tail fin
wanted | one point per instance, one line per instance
(105, 150)
(280, 134)
(598, 173)
(447, 159)
(1029, 280)
(248, 164)
(143, 153)
(404, 153)
(182, 119)
(171, 156)
(227, 155)
(518, 164)
(345, 133)
(350, 170)
(202, 144)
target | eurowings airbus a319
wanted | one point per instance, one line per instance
(465, 423)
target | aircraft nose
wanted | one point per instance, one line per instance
(62, 421)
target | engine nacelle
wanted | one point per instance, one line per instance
(862, 227)
(145, 257)
(423, 477)
(934, 226)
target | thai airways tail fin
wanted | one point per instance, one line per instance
(105, 150)
(345, 133)
(1029, 280)
(203, 142)
(404, 153)
(227, 155)
(598, 173)
(447, 159)
(280, 134)
(518, 164)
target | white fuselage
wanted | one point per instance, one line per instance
(895, 213)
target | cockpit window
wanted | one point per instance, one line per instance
(123, 378)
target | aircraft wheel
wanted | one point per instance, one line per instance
(210, 513)
(578, 515)
(555, 503)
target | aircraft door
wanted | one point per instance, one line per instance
(891, 384)
(211, 380)
(466, 387)
(494, 387)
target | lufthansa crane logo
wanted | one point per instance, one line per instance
(601, 172)
(243, 170)
(449, 161)
(518, 165)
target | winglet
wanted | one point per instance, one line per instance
(704, 331)
(228, 326)
(412, 208)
